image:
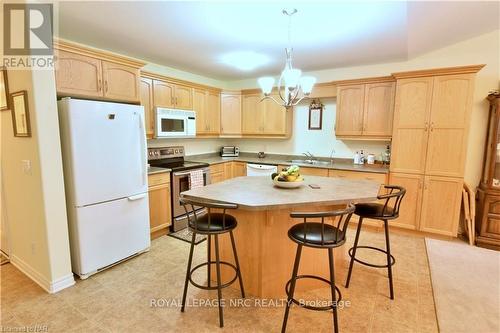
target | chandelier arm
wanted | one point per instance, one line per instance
(271, 98)
(279, 89)
(299, 100)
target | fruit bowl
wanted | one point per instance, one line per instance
(294, 184)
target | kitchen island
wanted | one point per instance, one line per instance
(265, 252)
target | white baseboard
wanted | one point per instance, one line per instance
(49, 286)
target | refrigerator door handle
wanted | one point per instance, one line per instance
(137, 197)
(143, 151)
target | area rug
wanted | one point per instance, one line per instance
(186, 235)
(466, 285)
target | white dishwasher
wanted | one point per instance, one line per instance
(261, 169)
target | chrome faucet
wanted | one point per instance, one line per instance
(310, 156)
(331, 155)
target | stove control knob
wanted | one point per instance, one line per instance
(177, 151)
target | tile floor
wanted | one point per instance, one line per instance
(119, 299)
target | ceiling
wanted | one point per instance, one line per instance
(210, 38)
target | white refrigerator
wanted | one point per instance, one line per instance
(105, 175)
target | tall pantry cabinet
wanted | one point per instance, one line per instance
(431, 122)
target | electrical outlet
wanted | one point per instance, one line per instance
(26, 165)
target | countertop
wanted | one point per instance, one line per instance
(155, 170)
(273, 159)
(259, 193)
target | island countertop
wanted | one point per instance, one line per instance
(259, 193)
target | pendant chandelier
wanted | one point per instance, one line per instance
(292, 86)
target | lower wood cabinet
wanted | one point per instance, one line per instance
(305, 171)
(441, 205)
(160, 211)
(227, 170)
(378, 177)
(217, 174)
(431, 203)
(410, 209)
(239, 169)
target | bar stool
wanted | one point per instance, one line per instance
(321, 236)
(211, 224)
(382, 212)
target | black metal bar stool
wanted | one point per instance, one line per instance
(211, 224)
(322, 236)
(382, 212)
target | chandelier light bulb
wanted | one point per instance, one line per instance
(266, 84)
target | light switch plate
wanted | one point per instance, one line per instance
(26, 164)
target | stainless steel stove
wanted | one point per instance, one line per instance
(173, 158)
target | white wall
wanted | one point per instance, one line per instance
(34, 202)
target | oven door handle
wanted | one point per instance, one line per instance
(185, 173)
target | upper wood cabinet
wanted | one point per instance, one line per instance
(252, 115)
(147, 102)
(78, 75)
(163, 94)
(264, 118)
(95, 74)
(378, 109)
(183, 97)
(213, 111)
(171, 95)
(350, 106)
(206, 104)
(230, 115)
(120, 82)
(431, 124)
(449, 124)
(411, 120)
(365, 108)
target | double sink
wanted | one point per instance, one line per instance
(311, 162)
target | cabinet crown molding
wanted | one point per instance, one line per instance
(155, 76)
(472, 69)
(377, 79)
(64, 45)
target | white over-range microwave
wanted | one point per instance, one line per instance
(175, 123)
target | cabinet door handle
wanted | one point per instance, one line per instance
(426, 126)
(99, 85)
(419, 184)
(432, 127)
(172, 100)
(106, 85)
(176, 101)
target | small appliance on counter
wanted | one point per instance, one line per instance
(230, 151)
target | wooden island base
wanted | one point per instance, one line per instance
(266, 254)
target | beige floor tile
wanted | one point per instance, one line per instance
(119, 299)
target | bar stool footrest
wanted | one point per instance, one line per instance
(393, 260)
(310, 307)
(214, 287)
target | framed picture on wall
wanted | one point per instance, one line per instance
(20, 113)
(4, 89)
(315, 115)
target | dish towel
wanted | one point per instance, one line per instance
(196, 179)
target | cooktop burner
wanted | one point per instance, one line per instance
(172, 158)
